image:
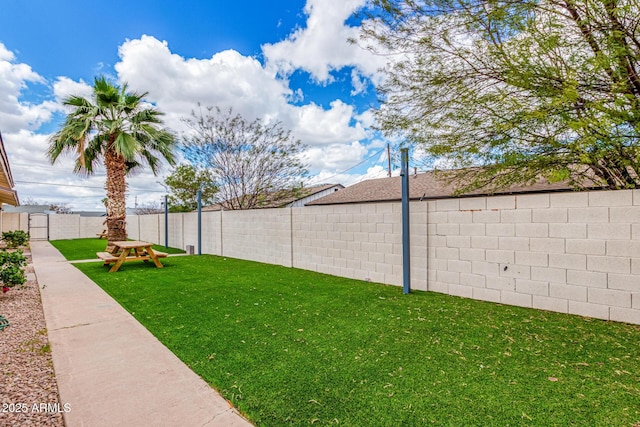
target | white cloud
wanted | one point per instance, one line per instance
(328, 177)
(5, 54)
(335, 157)
(228, 79)
(323, 45)
(337, 136)
(317, 126)
(65, 87)
(177, 84)
(14, 77)
(358, 83)
(36, 179)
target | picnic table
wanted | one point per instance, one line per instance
(130, 250)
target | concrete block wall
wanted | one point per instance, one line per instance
(12, 221)
(262, 235)
(150, 227)
(175, 229)
(576, 252)
(183, 230)
(190, 227)
(570, 252)
(65, 226)
(89, 227)
(211, 233)
(133, 227)
(361, 241)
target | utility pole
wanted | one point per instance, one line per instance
(389, 159)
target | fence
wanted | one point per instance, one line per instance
(570, 252)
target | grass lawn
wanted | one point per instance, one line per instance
(77, 249)
(294, 347)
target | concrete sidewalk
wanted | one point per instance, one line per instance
(110, 369)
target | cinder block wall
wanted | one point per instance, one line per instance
(133, 227)
(149, 228)
(64, 226)
(361, 241)
(571, 252)
(175, 229)
(91, 226)
(260, 235)
(211, 233)
(190, 227)
(12, 221)
(574, 253)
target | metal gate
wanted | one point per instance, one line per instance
(39, 226)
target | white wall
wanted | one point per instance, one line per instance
(570, 252)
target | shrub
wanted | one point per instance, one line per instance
(15, 238)
(11, 269)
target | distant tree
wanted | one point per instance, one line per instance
(57, 207)
(149, 208)
(247, 159)
(117, 128)
(183, 185)
(30, 201)
(525, 88)
(60, 208)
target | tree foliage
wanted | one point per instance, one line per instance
(248, 159)
(183, 185)
(117, 129)
(526, 88)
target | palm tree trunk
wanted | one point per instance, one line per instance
(116, 201)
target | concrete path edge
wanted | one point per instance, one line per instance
(110, 370)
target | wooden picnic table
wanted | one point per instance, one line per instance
(130, 250)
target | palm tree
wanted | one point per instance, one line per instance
(117, 128)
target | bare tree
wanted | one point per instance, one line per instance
(149, 208)
(57, 207)
(250, 161)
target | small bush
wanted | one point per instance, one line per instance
(15, 238)
(11, 269)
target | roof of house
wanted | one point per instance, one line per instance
(428, 185)
(282, 198)
(7, 194)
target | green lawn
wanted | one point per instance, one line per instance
(77, 249)
(291, 347)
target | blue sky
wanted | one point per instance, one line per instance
(285, 60)
(73, 39)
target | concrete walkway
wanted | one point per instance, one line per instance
(110, 369)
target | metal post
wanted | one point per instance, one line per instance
(199, 222)
(166, 221)
(406, 252)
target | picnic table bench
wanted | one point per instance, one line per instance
(102, 235)
(133, 250)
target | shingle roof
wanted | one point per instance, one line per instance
(423, 185)
(282, 198)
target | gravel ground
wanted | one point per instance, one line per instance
(28, 388)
